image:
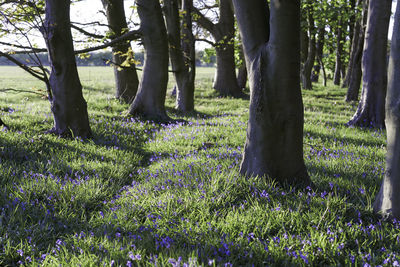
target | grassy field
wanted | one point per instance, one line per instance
(143, 194)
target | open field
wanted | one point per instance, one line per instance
(143, 194)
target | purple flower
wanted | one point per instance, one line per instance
(20, 252)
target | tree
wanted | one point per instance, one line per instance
(150, 98)
(182, 51)
(223, 33)
(339, 52)
(67, 103)
(387, 201)
(309, 63)
(274, 143)
(126, 78)
(354, 72)
(371, 108)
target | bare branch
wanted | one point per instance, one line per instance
(81, 30)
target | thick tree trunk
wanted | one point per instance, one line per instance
(223, 32)
(354, 73)
(225, 81)
(150, 98)
(67, 103)
(339, 51)
(354, 43)
(319, 52)
(371, 109)
(308, 65)
(126, 78)
(387, 202)
(182, 56)
(274, 144)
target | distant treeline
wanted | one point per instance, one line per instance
(102, 59)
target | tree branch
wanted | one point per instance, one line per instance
(23, 66)
(206, 41)
(204, 21)
(81, 30)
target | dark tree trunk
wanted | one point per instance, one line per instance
(126, 78)
(182, 53)
(304, 41)
(371, 109)
(387, 202)
(225, 76)
(67, 103)
(354, 43)
(354, 73)
(150, 98)
(308, 65)
(225, 81)
(242, 71)
(319, 51)
(223, 32)
(274, 144)
(339, 51)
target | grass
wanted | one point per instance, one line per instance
(143, 194)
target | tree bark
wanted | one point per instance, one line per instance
(308, 65)
(355, 72)
(67, 103)
(371, 109)
(150, 98)
(182, 51)
(387, 202)
(339, 51)
(242, 71)
(319, 52)
(354, 43)
(274, 143)
(126, 78)
(223, 32)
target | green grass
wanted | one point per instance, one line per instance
(140, 193)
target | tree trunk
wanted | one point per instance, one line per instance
(67, 103)
(225, 81)
(387, 202)
(355, 72)
(242, 71)
(319, 52)
(308, 65)
(223, 32)
(274, 143)
(354, 45)
(371, 109)
(126, 78)
(182, 56)
(339, 51)
(150, 99)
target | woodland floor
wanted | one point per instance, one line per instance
(144, 194)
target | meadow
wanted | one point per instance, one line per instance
(145, 194)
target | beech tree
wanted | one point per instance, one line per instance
(371, 108)
(67, 103)
(126, 78)
(271, 41)
(150, 98)
(309, 63)
(387, 202)
(354, 71)
(223, 32)
(182, 51)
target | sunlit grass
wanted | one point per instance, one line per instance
(142, 194)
